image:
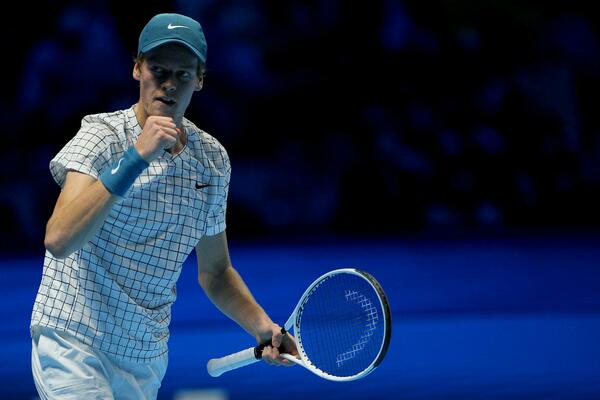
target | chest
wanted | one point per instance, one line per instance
(174, 196)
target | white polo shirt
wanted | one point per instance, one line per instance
(115, 293)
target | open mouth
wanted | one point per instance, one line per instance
(166, 100)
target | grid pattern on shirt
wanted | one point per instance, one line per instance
(116, 292)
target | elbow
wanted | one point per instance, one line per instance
(202, 281)
(207, 282)
(209, 276)
(56, 246)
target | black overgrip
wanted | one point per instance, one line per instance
(259, 349)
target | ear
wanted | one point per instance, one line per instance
(137, 72)
(199, 84)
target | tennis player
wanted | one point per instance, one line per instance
(141, 188)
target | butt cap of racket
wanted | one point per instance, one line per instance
(218, 366)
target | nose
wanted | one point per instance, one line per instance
(168, 85)
(170, 89)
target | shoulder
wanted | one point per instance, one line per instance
(101, 138)
(105, 126)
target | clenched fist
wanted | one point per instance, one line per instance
(159, 133)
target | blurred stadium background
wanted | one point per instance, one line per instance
(451, 147)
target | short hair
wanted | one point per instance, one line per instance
(201, 71)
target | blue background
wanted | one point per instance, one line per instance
(473, 318)
(450, 148)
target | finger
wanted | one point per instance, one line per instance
(284, 362)
(289, 345)
(160, 131)
(277, 339)
(171, 130)
(167, 122)
(168, 133)
(275, 353)
(273, 357)
(287, 363)
(162, 124)
(268, 355)
(161, 119)
(280, 361)
(167, 142)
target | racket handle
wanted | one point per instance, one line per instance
(218, 366)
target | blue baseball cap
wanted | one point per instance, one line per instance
(173, 28)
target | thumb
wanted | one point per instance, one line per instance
(276, 340)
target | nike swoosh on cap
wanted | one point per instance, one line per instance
(177, 26)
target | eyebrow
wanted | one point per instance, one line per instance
(157, 61)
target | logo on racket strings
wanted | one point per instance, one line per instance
(370, 326)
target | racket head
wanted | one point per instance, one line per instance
(342, 325)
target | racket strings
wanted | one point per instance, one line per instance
(341, 327)
(372, 317)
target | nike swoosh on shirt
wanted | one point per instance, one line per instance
(177, 26)
(200, 186)
(116, 169)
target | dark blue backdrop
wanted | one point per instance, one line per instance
(399, 117)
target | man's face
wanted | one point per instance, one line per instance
(168, 77)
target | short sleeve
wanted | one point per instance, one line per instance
(89, 152)
(215, 223)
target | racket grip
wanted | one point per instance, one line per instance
(218, 366)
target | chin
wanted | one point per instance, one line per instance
(161, 112)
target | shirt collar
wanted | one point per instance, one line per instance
(132, 124)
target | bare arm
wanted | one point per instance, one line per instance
(224, 285)
(80, 210)
(226, 289)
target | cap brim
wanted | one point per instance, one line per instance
(159, 43)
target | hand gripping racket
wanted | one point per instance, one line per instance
(342, 326)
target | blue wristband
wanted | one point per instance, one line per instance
(121, 175)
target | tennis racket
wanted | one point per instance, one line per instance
(342, 327)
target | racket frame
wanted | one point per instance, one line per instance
(216, 367)
(295, 321)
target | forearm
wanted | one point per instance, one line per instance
(230, 294)
(72, 225)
